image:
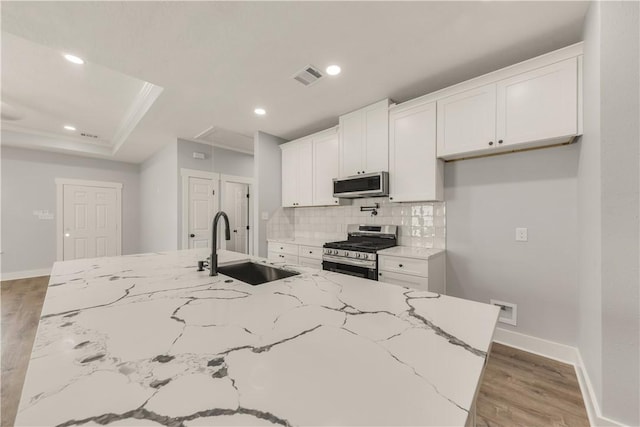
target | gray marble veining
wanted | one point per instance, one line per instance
(148, 340)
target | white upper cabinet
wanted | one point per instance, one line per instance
(538, 105)
(531, 104)
(297, 173)
(325, 167)
(467, 121)
(415, 174)
(364, 140)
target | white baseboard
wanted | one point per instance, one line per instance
(539, 346)
(562, 353)
(25, 274)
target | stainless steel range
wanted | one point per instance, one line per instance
(357, 256)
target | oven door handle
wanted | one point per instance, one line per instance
(348, 261)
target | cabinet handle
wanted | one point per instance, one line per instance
(500, 142)
(490, 142)
(390, 198)
(363, 172)
(358, 172)
(379, 274)
(310, 252)
(400, 265)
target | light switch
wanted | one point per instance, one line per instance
(522, 234)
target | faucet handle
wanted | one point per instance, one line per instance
(201, 265)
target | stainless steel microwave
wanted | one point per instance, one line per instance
(364, 185)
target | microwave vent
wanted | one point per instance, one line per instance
(308, 75)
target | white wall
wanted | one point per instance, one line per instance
(486, 199)
(159, 201)
(28, 184)
(589, 207)
(608, 197)
(620, 136)
(268, 175)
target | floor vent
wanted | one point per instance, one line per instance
(308, 75)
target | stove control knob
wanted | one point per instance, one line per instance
(357, 255)
(336, 252)
(346, 253)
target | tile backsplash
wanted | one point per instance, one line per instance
(419, 224)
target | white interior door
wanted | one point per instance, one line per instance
(91, 222)
(236, 205)
(202, 205)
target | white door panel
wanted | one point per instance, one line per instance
(467, 121)
(236, 205)
(351, 144)
(540, 104)
(90, 222)
(325, 169)
(202, 205)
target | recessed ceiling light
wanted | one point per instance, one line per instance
(260, 111)
(69, 127)
(333, 70)
(74, 59)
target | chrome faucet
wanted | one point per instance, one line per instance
(213, 261)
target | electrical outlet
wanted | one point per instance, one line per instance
(508, 312)
(522, 234)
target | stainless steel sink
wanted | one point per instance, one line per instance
(255, 274)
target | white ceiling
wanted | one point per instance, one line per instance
(217, 61)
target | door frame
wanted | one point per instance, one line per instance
(224, 178)
(60, 183)
(186, 174)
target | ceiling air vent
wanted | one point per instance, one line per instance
(308, 75)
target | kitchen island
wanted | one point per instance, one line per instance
(149, 340)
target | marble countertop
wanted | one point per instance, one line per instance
(411, 252)
(148, 340)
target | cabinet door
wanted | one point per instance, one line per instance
(406, 280)
(415, 174)
(351, 144)
(289, 175)
(467, 121)
(538, 105)
(304, 177)
(376, 146)
(325, 168)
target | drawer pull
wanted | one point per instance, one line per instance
(310, 252)
(400, 265)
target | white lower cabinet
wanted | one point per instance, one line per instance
(310, 256)
(407, 280)
(283, 252)
(415, 273)
(293, 253)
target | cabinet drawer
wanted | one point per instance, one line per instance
(283, 248)
(415, 282)
(289, 259)
(417, 267)
(310, 252)
(310, 262)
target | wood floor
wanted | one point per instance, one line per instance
(524, 389)
(21, 302)
(518, 388)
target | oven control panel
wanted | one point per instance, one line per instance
(350, 254)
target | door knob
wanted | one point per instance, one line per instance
(192, 235)
(235, 231)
